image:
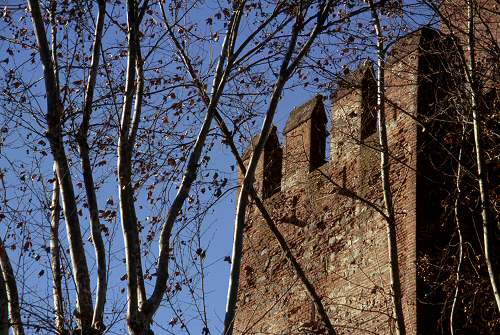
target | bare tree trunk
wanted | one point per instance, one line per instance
(4, 312)
(385, 169)
(127, 206)
(232, 295)
(136, 320)
(281, 240)
(488, 226)
(285, 71)
(56, 259)
(11, 289)
(129, 226)
(83, 146)
(460, 239)
(141, 291)
(54, 135)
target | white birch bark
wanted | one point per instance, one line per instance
(56, 259)
(488, 226)
(385, 168)
(11, 290)
(54, 135)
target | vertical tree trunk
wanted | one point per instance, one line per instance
(83, 146)
(4, 311)
(385, 169)
(488, 225)
(141, 291)
(129, 226)
(11, 288)
(55, 259)
(232, 295)
(54, 135)
(137, 323)
(267, 217)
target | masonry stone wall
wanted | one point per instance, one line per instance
(328, 211)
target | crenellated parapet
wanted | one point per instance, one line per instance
(414, 79)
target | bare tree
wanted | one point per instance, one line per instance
(268, 219)
(474, 39)
(159, 107)
(9, 280)
(82, 137)
(126, 139)
(56, 258)
(385, 168)
(54, 118)
(488, 226)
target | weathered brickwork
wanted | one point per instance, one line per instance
(328, 211)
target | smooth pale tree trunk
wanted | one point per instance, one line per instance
(56, 259)
(488, 225)
(129, 224)
(137, 292)
(460, 239)
(83, 146)
(141, 310)
(385, 169)
(4, 311)
(141, 291)
(11, 290)
(54, 135)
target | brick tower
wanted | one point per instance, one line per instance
(340, 240)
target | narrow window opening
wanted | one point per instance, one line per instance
(318, 141)
(368, 123)
(272, 173)
(369, 104)
(273, 160)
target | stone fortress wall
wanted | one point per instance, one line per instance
(327, 210)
